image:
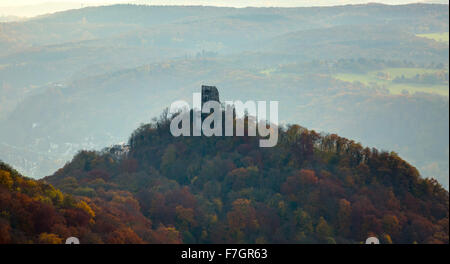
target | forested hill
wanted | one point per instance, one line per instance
(310, 188)
(36, 212)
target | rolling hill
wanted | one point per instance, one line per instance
(84, 79)
(310, 188)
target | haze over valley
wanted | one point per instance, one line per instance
(86, 78)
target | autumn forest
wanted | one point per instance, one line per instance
(310, 188)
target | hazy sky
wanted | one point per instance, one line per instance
(28, 8)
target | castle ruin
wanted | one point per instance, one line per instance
(209, 93)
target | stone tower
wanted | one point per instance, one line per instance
(209, 93)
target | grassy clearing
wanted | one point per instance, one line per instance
(268, 72)
(435, 89)
(440, 37)
(385, 78)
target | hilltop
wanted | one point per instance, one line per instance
(310, 188)
(373, 73)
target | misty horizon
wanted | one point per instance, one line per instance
(32, 8)
(322, 125)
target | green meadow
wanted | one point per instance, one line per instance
(386, 76)
(440, 37)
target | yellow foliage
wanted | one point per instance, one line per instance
(85, 207)
(5, 179)
(213, 219)
(46, 238)
(59, 197)
(172, 234)
(43, 199)
(204, 234)
(30, 183)
(54, 194)
(323, 229)
(387, 239)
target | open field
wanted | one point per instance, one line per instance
(386, 76)
(441, 37)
